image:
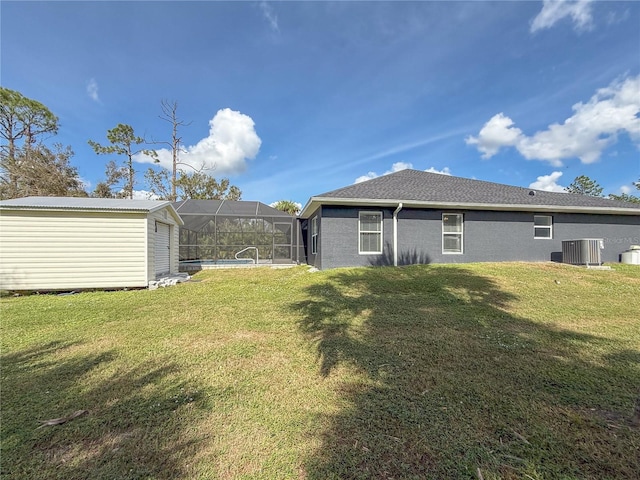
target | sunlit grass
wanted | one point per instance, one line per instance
(510, 370)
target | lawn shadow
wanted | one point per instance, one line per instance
(132, 428)
(405, 257)
(444, 381)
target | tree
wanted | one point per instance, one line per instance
(103, 190)
(160, 185)
(625, 197)
(123, 142)
(38, 170)
(21, 118)
(288, 206)
(170, 114)
(114, 184)
(585, 186)
(196, 186)
(200, 186)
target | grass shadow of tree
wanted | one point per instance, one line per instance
(445, 382)
(133, 429)
(405, 257)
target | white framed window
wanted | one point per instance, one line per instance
(370, 232)
(314, 235)
(452, 232)
(542, 226)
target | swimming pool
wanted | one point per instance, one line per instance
(193, 264)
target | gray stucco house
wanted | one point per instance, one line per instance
(412, 217)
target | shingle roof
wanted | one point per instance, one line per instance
(419, 188)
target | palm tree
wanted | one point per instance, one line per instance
(292, 208)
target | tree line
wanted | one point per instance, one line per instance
(28, 167)
(586, 186)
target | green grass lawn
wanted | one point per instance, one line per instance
(472, 371)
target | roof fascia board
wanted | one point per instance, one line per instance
(315, 202)
(126, 211)
(73, 209)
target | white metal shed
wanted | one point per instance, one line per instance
(66, 243)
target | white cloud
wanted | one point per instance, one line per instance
(555, 10)
(593, 127)
(92, 90)
(232, 140)
(548, 183)
(626, 189)
(270, 16)
(396, 167)
(364, 178)
(496, 133)
(143, 195)
(613, 18)
(444, 171)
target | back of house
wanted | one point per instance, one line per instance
(412, 216)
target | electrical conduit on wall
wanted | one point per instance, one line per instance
(395, 234)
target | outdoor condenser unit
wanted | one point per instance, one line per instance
(585, 251)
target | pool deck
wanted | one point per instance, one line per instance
(195, 267)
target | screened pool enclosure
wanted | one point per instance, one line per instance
(225, 232)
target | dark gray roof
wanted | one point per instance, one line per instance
(422, 188)
(227, 208)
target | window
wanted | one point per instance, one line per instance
(370, 232)
(542, 226)
(314, 235)
(452, 233)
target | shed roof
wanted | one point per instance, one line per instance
(88, 204)
(415, 188)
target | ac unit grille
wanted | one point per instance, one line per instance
(585, 251)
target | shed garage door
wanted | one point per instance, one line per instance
(163, 249)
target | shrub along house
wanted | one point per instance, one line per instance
(413, 217)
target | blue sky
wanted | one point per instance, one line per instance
(293, 99)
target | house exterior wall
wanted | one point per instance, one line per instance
(488, 236)
(162, 216)
(338, 238)
(314, 259)
(300, 247)
(63, 250)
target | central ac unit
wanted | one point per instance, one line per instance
(585, 251)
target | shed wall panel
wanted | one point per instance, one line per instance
(53, 250)
(161, 216)
(162, 246)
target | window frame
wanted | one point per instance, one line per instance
(360, 231)
(460, 233)
(547, 227)
(314, 235)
